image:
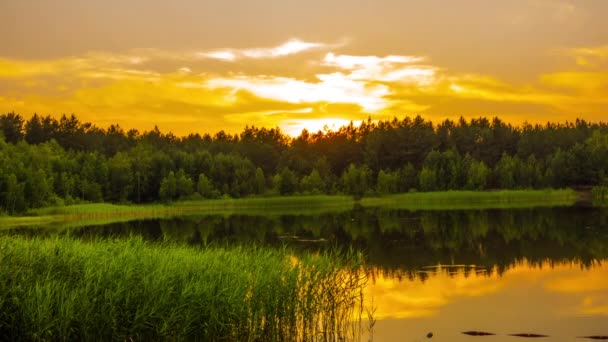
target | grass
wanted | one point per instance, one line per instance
(101, 213)
(126, 289)
(449, 200)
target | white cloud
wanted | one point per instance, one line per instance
(391, 68)
(226, 56)
(333, 88)
(290, 47)
(350, 62)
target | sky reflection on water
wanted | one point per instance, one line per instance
(562, 300)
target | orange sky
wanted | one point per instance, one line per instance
(202, 66)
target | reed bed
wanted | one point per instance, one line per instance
(64, 289)
(446, 200)
(101, 213)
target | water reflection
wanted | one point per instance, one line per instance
(399, 243)
(540, 270)
(562, 300)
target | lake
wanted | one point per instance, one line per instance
(501, 271)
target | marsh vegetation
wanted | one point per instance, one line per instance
(121, 289)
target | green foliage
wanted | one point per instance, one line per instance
(287, 182)
(184, 186)
(408, 178)
(477, 176)
(37, 188)
(387, 182)
(13, 195)
(445, 200)
(505, 171)
(428, 180)
(65, 160)
(132, 290)
(356, 180)
(11, 127)
(205, 187)
(120, 177)
(168, 188)
(260, 181)
(313, 183)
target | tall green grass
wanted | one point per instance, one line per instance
(126, 289)
(102, 213)
(448, 200)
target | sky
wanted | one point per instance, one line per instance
(209, 65)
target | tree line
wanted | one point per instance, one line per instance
(47, 161)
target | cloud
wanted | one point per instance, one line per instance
(227, 56)
(382, 69)
(291, 47)
(337, 88)
(366, 62)
(334, 87)
(588, 57)
(580, 81)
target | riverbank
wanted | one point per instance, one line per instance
(450, 200)
(128, 289)
(101, 213)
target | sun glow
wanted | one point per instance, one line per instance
(295, 85)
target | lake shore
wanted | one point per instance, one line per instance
(129, 289)
(102, 213)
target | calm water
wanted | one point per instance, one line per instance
(542, 270)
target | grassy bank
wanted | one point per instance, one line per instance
(446, 200)
(101, 213)
(67, 289)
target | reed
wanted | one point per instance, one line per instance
(446, 200)
(102, 213)
(127, 289)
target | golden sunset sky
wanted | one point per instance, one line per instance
(205, 65)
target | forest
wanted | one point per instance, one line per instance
(46, 161)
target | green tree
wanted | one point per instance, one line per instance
(120, 177)
(14, 195)
(387, 182)
(168, 188)
(504, 172)
(477, 175)
(183, 184)
(205, 187)
(260, 181)
(288, 182)
(37, 188)
(428, 179)
(355, 180)
(11, 125)
(408, 178)
(312, 183)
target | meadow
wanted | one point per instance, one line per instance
(127, 289)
